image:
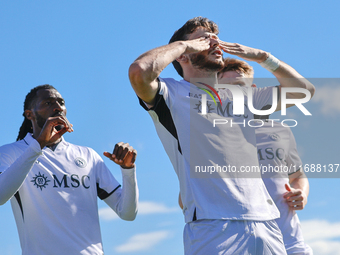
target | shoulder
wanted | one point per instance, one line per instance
(170, 83)
(264, 89)
(18, 146)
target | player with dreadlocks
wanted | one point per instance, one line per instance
(53, 185)
(26, 126)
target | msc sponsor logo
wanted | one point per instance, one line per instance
(64, 181)
(40, 181)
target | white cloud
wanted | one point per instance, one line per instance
(107, 213)
(325, 247)
(328, 97)
(314, 230)
(142, 242)
(321, 236)
(148, 207)
(145, 207)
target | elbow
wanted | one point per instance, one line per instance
(310, 87)
(3, 201)
(129, 216)
(136, 74)
(311, 90)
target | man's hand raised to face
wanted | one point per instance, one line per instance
(245, 52)
(49, 133)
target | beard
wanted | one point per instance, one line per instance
(201, 61)
(41, 121)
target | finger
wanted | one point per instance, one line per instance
(131, 157)
(294, 198)
(295, 204)
(61, 132)
(108, 155)
(120, 150)
(58, 121)
(116, 149)
(122, 153)
(68, 124)
(287, 187)
(296, 193)
(296, 207)
(287, 195)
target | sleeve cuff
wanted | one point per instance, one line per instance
(128, 171)
(35, 146)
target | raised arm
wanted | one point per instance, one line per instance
(15, 170)
(124, 201)
(145, 70)
(286, 75)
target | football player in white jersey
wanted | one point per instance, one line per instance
(53, 185)
(226, 213)
(276, 147)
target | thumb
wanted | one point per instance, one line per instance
(287, 187)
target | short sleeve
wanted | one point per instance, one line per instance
(294, 162)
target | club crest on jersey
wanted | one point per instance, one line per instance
(80, 162)
(40, 181)
(275, 137)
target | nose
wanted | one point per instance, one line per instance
(58, 107)
(214, 42)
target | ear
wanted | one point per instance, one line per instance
(28, 114)
(182, 59)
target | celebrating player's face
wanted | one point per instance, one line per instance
(49, 103)
(201, 61)
(211, 59)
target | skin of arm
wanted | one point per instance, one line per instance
(285, 74)
(180, 201)
(297, 194)
(144, 71)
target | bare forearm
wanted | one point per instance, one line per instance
(289, 77)
(144, 71)
(153, 62)
(299, 180)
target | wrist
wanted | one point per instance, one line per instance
(128, 167)
(42, 143)
(271, 63)
(264, 57)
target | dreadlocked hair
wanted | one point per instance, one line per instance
(26, 125)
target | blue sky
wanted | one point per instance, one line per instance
(84, 49)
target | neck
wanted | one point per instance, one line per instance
(36, 134)
(201, 75)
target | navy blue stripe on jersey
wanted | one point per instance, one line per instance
(25, 141)
(164, 115)
(17, 197)
(102, 194)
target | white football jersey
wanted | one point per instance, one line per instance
(278, 157)
(56, 206)
(201, 153)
